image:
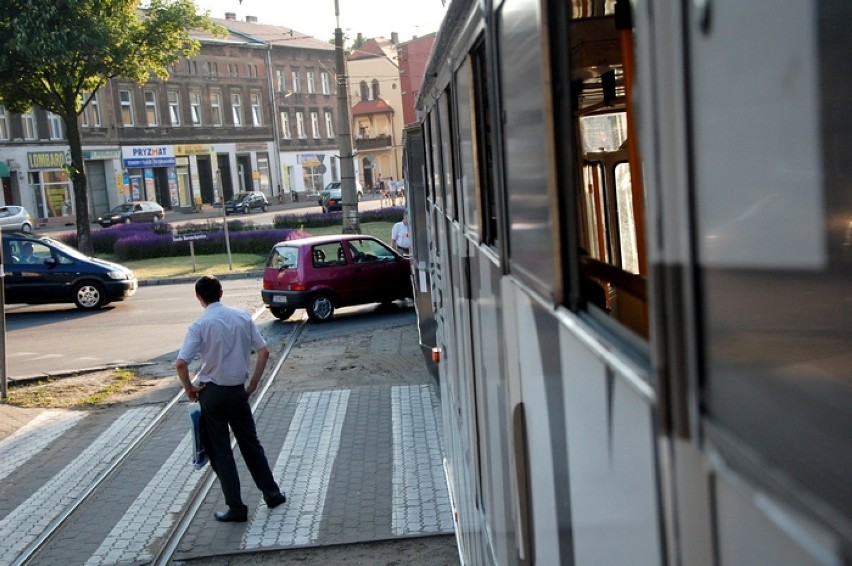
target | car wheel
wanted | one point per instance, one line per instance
(89, 296)
(126, 221)
(360, 196)
(158, 217)
(320, 308)
(26, 228)
(263, 208)
(281, 313)
(247, 209)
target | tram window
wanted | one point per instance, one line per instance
(435, 159)
(468, 213)
(427, 161)
(447, 136)
(532, 253)
(481, 117)
(609, 203)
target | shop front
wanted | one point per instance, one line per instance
(50, 186)
(151, 173)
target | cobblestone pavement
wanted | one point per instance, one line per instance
(351, 427)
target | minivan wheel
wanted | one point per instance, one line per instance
(281, 313)
(320, 308)
(89, 296)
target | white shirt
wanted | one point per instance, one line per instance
(224, 336)
(401, 235)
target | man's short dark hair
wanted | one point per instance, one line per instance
(209, 289)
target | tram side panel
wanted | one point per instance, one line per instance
(772, 211)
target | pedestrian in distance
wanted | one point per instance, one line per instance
(223, 337)
(401, 235)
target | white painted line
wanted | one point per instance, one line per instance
(303, 471)
(152, 514)
(27, 522)
(32, 438)
(420, 501)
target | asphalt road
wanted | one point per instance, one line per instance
(54, 339)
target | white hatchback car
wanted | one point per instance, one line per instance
(15, 218)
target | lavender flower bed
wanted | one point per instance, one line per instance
(319, 219)
(145, 241)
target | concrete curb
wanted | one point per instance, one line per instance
(194, 278)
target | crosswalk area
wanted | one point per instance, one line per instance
(357, 464)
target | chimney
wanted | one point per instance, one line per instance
(360, 38)
(232, 16)
(252, 19)
(394, 37)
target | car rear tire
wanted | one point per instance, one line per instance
(263, 208)
(89, 295)
(26, 228)
(282, 313)
(320, 309)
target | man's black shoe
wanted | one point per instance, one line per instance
(231, 516)
(276, 500)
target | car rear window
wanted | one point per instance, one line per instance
(283, 257)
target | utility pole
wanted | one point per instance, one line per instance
(351, 224)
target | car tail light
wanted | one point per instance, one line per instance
(297, 287)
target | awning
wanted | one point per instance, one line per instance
(4, 169)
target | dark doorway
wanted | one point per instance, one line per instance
(161, 187)
(244, 171)
(224, 164)
(205, 179)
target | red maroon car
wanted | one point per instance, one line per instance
(323, 273)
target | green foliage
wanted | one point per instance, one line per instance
(56, 50)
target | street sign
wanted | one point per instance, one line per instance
(189, 237)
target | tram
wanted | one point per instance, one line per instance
(632, 256)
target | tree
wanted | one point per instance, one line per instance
(56, 54)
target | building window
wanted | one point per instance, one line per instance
(285, 125)
(195, 108)
(256, 113)
(151, 112)
(237, 109)
(54, 122)
(297, 82)
(125, 98)
(300, 125)
(282, 81)
(4, 123)
(365, 91)
(329, 125)
(233, 70)
(30, 131)
(376, 92)
(216, 108)
(315, 130)
(311, 87)
(94, 110)
(326, 83)
(192, 67)
(174, 107)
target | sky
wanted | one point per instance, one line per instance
(372, 18)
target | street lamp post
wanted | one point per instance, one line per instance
(351, 224)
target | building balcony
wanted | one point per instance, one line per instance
(378, 142)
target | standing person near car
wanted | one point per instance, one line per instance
(401, 235)
(224, 337)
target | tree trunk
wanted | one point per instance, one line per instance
(78, 179)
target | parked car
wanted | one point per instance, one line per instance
(138, 211)
(40, 270)
(333, 201)
(246, 202)
(16, 218)
(323, 273)
(336, 186)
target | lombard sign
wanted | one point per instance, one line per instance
(46, 160)
(148, 156)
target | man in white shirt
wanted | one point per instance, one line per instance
(401, 236)
(224, 338)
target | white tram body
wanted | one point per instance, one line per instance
(633, 254)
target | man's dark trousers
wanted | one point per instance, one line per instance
(228, 405)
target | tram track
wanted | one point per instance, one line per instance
(166, 546)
